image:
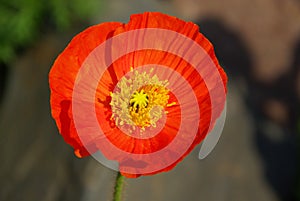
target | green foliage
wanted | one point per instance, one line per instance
(21, 21)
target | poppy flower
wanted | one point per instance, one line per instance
(142, 94)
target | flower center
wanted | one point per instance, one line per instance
(139, 100)
(147, 104)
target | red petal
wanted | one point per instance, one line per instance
(62, 77)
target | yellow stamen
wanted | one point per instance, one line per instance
(148, 112)
(171, 104)
(139, 100)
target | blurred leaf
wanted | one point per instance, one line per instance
(22, 21)
(6, 53)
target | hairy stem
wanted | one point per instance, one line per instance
(118, 187)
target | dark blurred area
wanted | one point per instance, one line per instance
(279, 155)
(3, 76)
(258, 44)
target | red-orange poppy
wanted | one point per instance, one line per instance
(140, 88)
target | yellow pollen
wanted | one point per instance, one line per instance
(139, 100)
(171, 104)
(149, 110)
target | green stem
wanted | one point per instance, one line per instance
(118, 187)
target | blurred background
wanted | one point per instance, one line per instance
(258, 44)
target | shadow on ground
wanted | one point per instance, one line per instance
(273, 107)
